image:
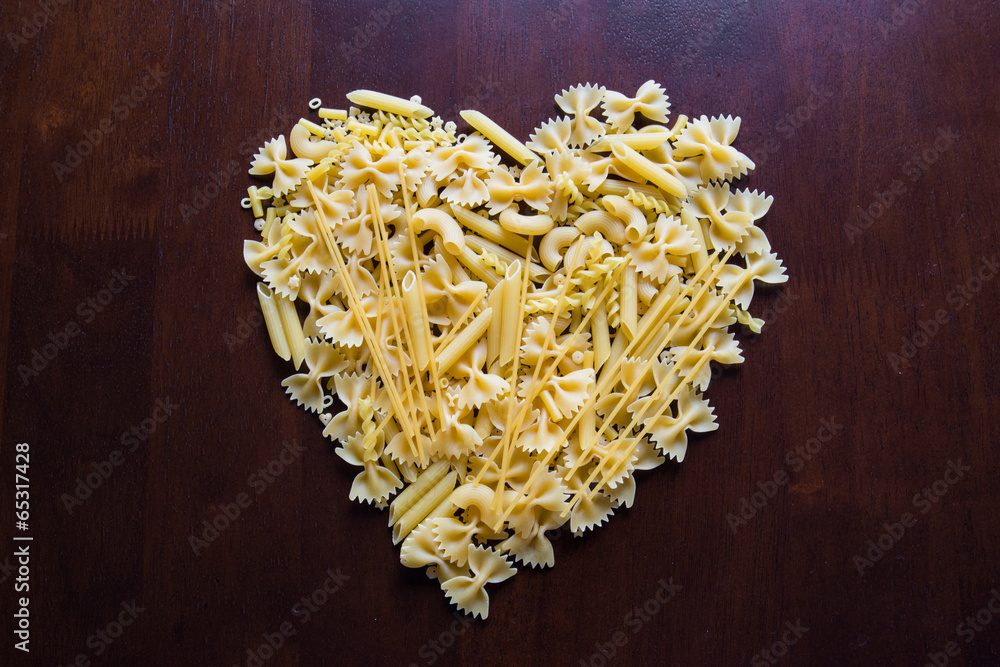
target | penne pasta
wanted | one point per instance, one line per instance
(468, 337)
(649, 170)
(500, 137)
(490, 230)
(275, 328)
(389, 103)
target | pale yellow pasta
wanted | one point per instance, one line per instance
(427, 503)
(603, 223)
(491, 231)
(474, 263)
(649, 170)
(499, 136)
(638, 140)
(629, 214)
(302, 146)
(529, 225)
(495, 332)
(505, 374)
(389, 103)
(418, 322)
(554, 244)
(438, 221)
(272, 318)
(510, 297)
(536, 272)
(468, 337)
(599, 335)
(417, 490)
(629, 301)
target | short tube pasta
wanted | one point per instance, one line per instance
(529, 225)
(438, 221)
(389, 103)
(554, 245)
(499, 136)
(465, 339)
(633, 218)
(648, 169)
(609, 226)
(418, 321)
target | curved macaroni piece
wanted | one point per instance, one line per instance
(628, 213)
(603, 223)
(554, 244)
(529, 225)
(444, 225)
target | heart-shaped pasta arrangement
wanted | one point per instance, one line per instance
(512, 339)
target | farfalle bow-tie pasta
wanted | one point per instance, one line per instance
(514, 328)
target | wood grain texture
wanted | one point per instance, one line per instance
(872, 86)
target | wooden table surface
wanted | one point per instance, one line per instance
(872, 394)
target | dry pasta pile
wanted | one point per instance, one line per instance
(511, 343)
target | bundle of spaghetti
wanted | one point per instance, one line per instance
(514, 328)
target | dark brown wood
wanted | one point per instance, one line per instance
(842, 107)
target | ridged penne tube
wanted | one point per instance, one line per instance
(418, 323)
(648, 169)
(293, 329)
(411, 494)
(389, 103)
(275, 329)
(442, 223)
(608, 225)
(612, 364)
(464, 340)
(536, 272)
(494, 334)
(434, 497)
(490, 230)
(642, 141)
(299, 140)
(534, 225)
(599, 335)
(554, 244)
(499, 136)
(509, 304)
(629, 297)
(630, 214)
(474, 263)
